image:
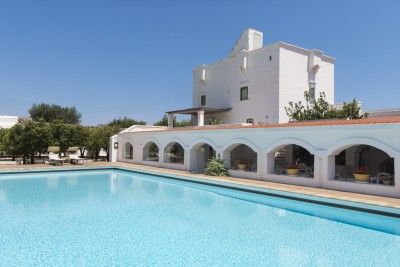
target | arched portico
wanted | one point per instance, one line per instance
(174, 153)
(127, 151)
(242, 155)
(151, 152)
(199, 154)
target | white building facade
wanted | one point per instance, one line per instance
(249, 91)
(257, 82)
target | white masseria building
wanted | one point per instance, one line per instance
(248, 92)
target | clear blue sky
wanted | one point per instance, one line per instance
(134, 58)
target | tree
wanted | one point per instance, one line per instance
(125, 122)
(53, 112)
(321, 109)
(12, 141)
(64, 135)
(27, 139)
(99, 138)
(2, 134)
(164, 122)
(81, 138)
(36, 138)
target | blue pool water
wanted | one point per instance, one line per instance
(119, 218)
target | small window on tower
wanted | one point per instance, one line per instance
(203, 100)
(244, 93)
(311, 92)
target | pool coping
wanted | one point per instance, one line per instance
(352, 201)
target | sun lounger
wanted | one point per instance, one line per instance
(75, 159)
(54, 159)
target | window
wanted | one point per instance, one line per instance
(244, 93)
(311, 92)
(203, 100)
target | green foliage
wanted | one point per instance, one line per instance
(2, 134)
(321, 109)
(215, 167)
(64, 135)
(27, 139)
(12, 141)
(125, 122)
(99, 138)
(82, 138)
(50, 113)
(182, 123)
(164, 122)
(214, 121)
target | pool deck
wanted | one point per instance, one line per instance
(316, 192)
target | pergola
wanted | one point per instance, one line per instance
(200, 112)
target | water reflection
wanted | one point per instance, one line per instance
(52, 182)
(150, 187)
(173, 191)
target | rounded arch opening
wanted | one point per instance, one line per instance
(293, 160)
(363, 158)
(200, 153)
(151, 152)
(128, 150)
(174, 153)
(242, 157)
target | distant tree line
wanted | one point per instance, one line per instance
(53, 125)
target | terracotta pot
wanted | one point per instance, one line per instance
(242, 166)
(361, 177)
(386, 182)
(292, 171)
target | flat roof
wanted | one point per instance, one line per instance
(195, 110)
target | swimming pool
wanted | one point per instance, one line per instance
(116, 217)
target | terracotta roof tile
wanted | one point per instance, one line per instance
(333, 122)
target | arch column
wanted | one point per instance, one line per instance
(200, 118)
(397, 172)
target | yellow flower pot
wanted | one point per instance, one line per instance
(361, 177)
(292, 171)
(242, 166)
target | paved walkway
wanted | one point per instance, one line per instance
(318, 192)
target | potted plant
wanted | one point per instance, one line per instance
(361, 174)
(242, 165)
(387, 180)
(293, 170)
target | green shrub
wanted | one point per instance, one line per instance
(215, 167)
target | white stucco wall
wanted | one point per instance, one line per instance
(295, 76)
(274, 75)
(324, 142)
(7, 122)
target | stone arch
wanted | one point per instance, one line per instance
(349, 155)
(336, 148)
(246, 159)
(174, 153)
(127, 151)
(291, 153)
(290, 141)
(238, 141)
(200, 151)
(151, 152)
